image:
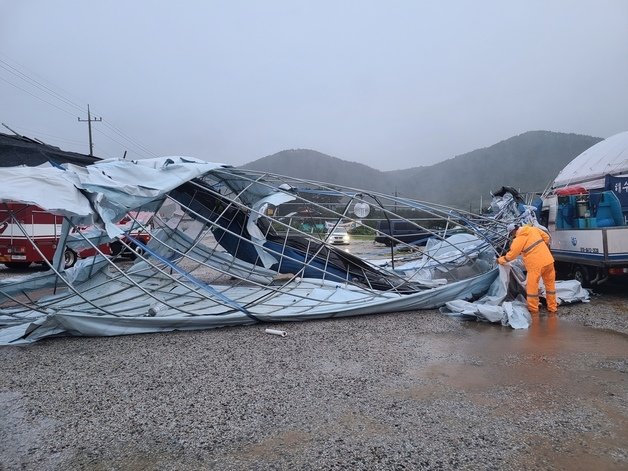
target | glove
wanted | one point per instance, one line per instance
(501, 260)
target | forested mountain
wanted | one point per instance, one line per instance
(313, 165)
(528, 162)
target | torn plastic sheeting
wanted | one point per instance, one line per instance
(259, 208)
(79, 273)
(505, 299)
(47, 187)
(75, 317)
(569, 291)
(486, 312)
(146, 178)
(512, 313)
(502, 303)
(517, 315)
(454, 249)
(112, 185)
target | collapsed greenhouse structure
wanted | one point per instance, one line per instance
(228, 246)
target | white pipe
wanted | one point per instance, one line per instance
(281, 333)
(156, 309)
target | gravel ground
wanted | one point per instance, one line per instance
(397, 391)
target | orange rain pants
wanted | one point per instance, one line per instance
(532, 288)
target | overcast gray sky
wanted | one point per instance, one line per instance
(391, 84)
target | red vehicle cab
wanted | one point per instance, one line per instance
(28, 234)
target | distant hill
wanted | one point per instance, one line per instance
(313, 165)
(529, 162)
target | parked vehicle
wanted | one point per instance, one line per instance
(33, 223)
(338, 236)
(586, 213)
(21, 223)
(129, 223)
(30, 221)
(393, 231)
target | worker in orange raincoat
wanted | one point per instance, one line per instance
(533, 244)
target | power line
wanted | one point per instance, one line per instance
(109, 137)
(31, 81)
(54, 136)
(38, 97)
(137, 144)
(47, 90)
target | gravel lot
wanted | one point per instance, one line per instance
(398, 391)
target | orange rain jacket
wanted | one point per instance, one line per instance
(533, 244)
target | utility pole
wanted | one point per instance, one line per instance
(395, 199)
(89, 127)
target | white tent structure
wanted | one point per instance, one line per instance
(608, 157)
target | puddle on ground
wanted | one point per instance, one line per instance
(546, 335)
(552, 352)
(556, 369)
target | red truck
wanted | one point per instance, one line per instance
(28, 234)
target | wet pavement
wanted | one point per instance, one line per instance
(562, 389)
(415, 390)
(396, 391)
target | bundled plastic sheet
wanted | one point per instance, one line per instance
(505, 301)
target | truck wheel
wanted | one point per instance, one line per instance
(135, 252)
(116, 247)
(581, 274)
(563, 270)
(69, 258)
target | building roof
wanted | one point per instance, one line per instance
(20, 150)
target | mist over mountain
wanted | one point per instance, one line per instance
(528, 162)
